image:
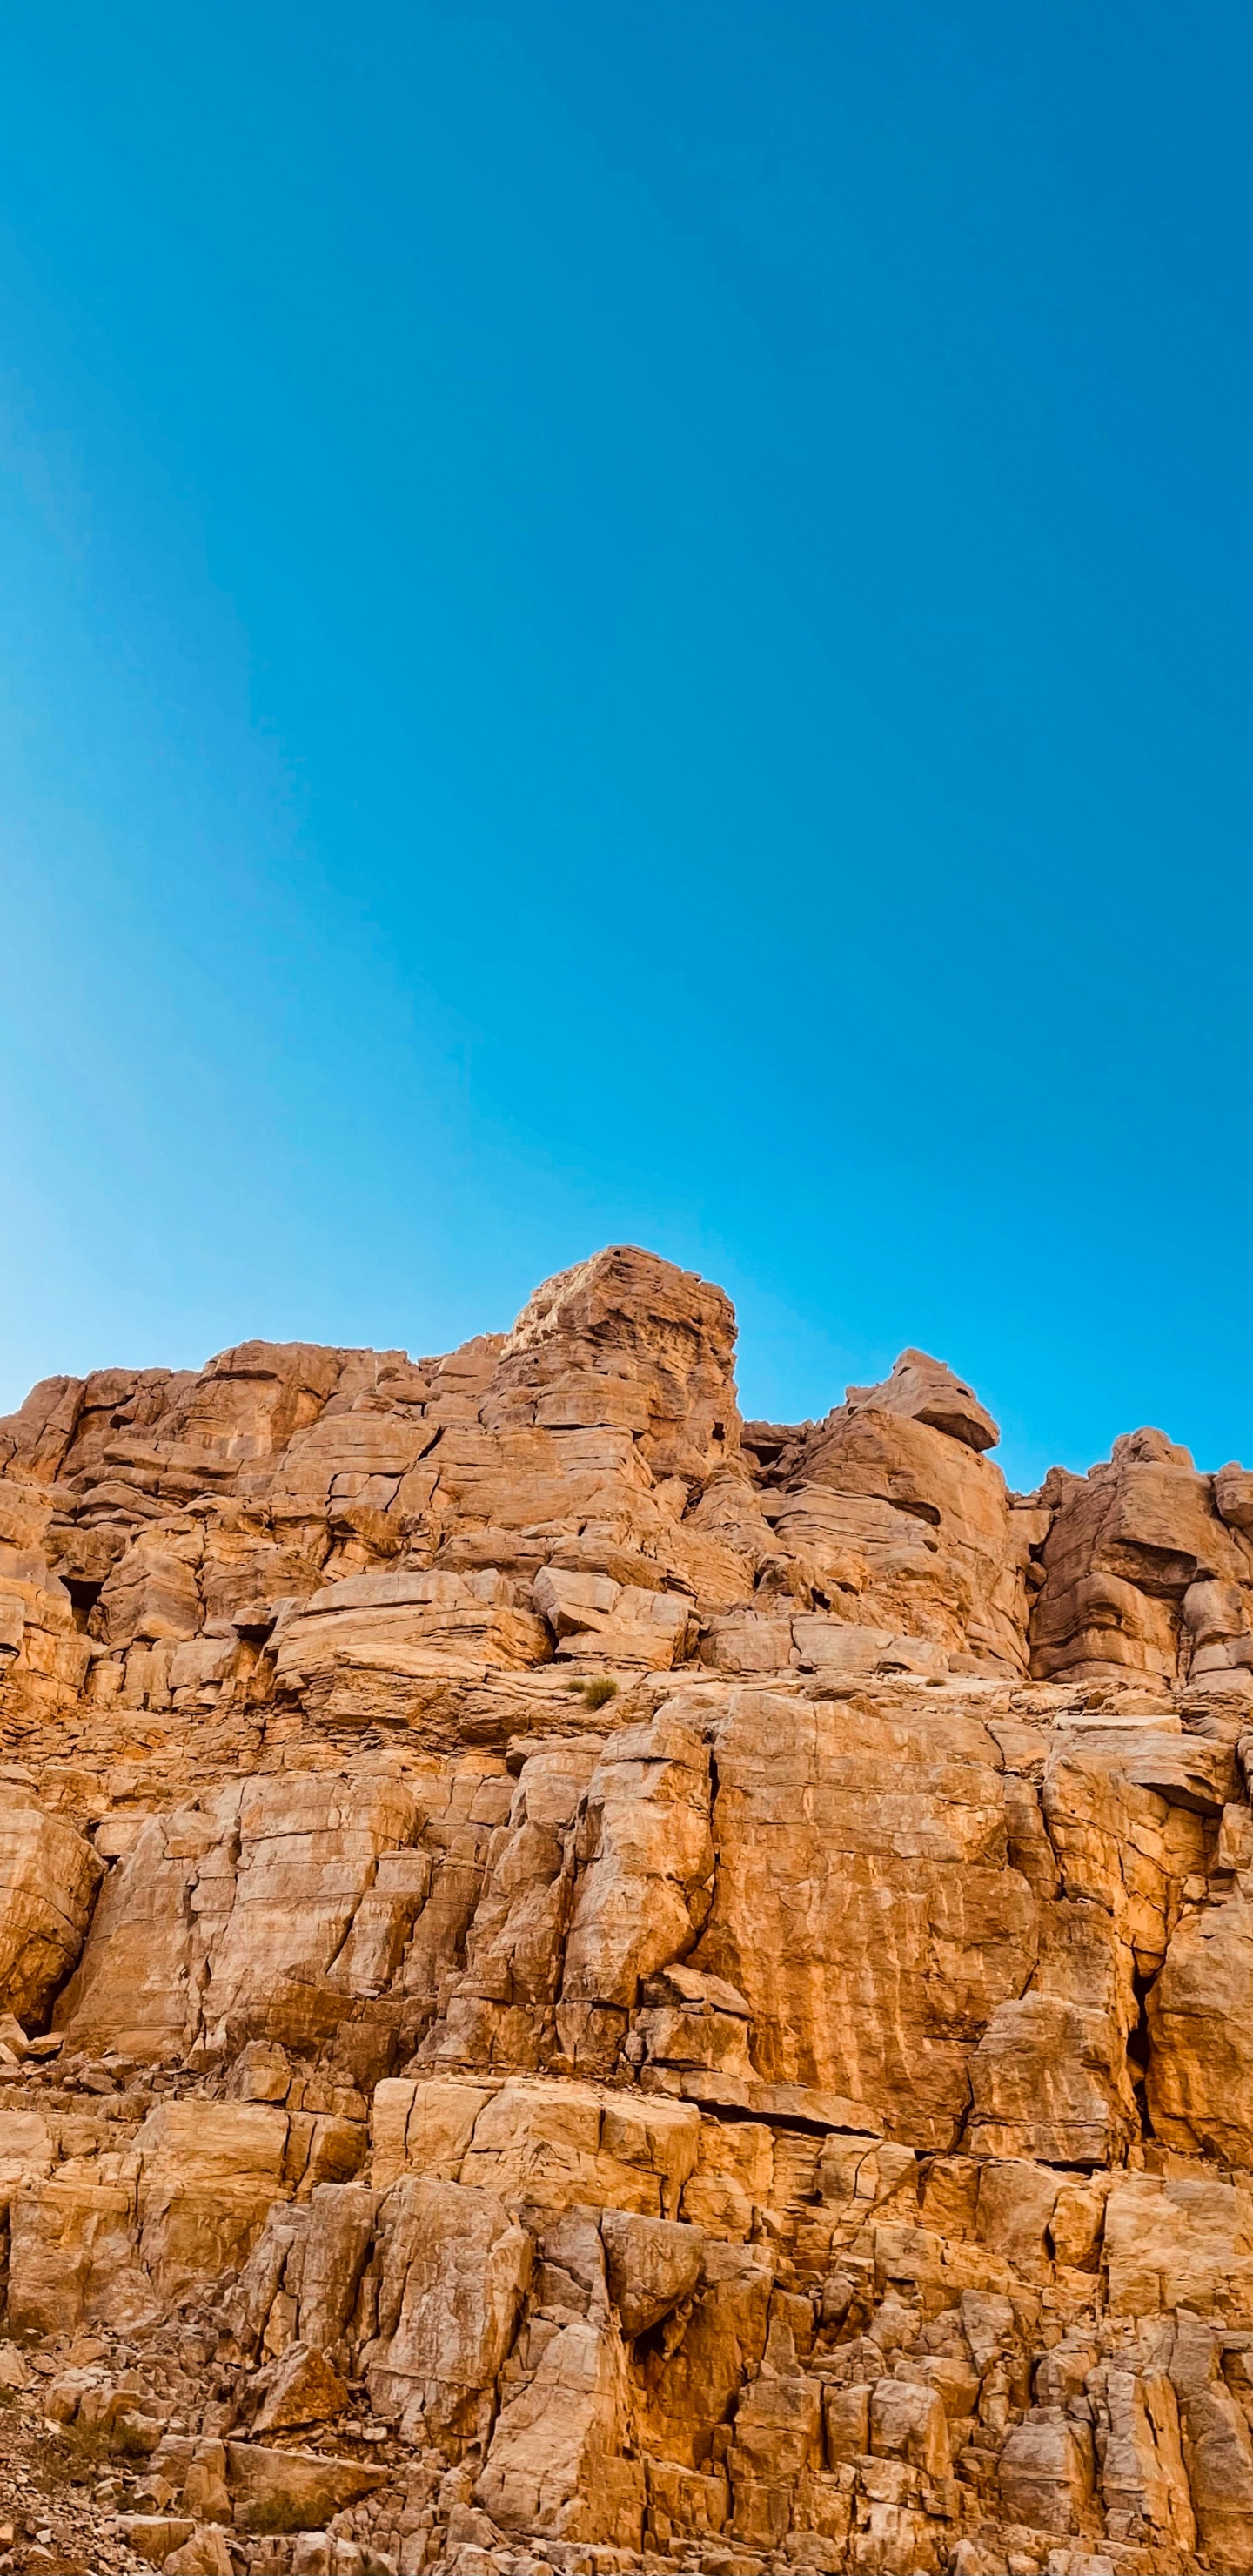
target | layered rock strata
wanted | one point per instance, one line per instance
(590, 1982)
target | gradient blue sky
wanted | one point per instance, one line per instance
(633, 623)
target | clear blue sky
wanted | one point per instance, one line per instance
(633, 623)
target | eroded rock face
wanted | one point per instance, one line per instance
(685, 1985)
(1143, 1570)
(253, 1916)
(49, 1877)
(865, 1903)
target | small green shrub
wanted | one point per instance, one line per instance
(598, 1693)
(84, 2450)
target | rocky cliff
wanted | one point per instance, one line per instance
(589, 1982)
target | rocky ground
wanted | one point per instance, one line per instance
(586, 1984)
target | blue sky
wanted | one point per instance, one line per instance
(633, 624)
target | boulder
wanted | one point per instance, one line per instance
(1046, 2472)
(292, 2490)
(653, 2264)
(305, 2390)
(207, 2553)
(925, 1390)
(556, 2463)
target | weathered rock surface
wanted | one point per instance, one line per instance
(584, 1977)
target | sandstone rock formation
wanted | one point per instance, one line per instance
(590, 1983)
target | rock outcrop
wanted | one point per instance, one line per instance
(590, 1983)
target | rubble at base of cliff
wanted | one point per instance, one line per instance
(585, 1985)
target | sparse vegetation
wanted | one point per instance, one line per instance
(81, 2451)
(597, 1694)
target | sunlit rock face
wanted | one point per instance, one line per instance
(581, 1974)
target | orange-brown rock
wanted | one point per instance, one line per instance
(578, 1975)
